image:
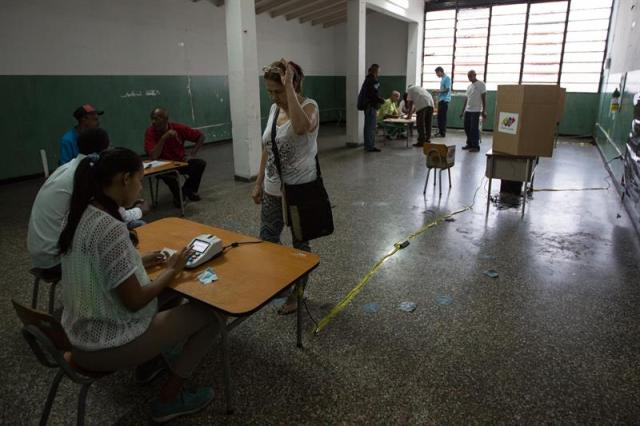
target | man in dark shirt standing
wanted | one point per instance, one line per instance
(369, 101)
(165, 140)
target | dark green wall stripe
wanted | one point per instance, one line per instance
(37, 110)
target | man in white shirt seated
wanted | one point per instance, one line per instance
(52, 204)
(423, 102)
(474, 105)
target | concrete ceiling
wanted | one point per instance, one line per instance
(318, 12)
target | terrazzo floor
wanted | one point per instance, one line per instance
(555, 338)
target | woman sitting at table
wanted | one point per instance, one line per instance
(110, 305)
(296, 135)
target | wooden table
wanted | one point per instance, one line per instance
(171, 167)
(519, 168)
(249, 275)
(406, 121)
(409, 122)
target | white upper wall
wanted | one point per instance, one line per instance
(148, 37)
(311, 47)
(624, 49)
(386, 43)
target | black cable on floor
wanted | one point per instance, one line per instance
(304, 301)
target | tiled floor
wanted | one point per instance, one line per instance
(554, 339)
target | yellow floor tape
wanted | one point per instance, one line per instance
(399, 246)
(396, 247)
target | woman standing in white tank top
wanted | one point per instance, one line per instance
(296, 136)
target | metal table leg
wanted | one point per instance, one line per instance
(224, 332)
(153, 196)
(178, 178)
(524, 193)
(299, 289)
(407, 140)
(490, 179)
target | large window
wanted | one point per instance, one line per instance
(505, 45)
(543, 47)
(537, 42)
(471, 45)
(438, 44)
(585, 44)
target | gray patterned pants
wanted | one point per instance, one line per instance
(271, 226)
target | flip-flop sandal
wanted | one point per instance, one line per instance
(284, 310)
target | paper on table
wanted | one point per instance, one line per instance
(155, 163)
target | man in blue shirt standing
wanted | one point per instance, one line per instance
(87, 117)
(444, 97)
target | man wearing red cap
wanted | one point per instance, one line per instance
(87, 117)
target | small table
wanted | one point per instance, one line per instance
(163, 167)
(249, 275)
(406, 121)
(519, 168)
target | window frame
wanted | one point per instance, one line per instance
(569, 75)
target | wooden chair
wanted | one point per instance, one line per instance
(50, 276)
(438, 156)
(52, 348)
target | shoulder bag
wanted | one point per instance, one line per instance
(306, 206)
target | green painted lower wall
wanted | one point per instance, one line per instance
(579, 115)
(37, 109)
(612, 128)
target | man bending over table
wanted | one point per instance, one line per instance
(164, 140)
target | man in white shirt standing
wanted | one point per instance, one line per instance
(474, 105)
(423, 101)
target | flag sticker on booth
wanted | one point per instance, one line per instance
(508, 123)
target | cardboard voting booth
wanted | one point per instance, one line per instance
(526, 118)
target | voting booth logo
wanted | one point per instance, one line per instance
(508, 123)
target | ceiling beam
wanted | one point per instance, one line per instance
(265, 6)
(309, 7)
(335, 22)
(285, 6)
(329, 17)
(321, 12)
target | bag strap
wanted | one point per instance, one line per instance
(276, 153)
(274, 146)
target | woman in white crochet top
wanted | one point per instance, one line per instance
(110, 305)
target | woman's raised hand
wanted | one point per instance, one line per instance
(287, 78)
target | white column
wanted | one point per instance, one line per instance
(356, 49)
(414, 63)
(244, 92)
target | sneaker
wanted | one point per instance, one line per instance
(146, 372)
(372, 150)
(474, 149)
(188, 402)
(466, 147)
(418, 144)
